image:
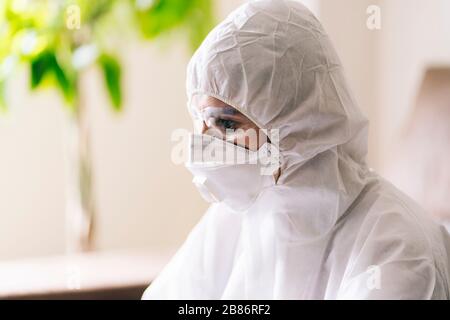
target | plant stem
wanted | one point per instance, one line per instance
(80, 211)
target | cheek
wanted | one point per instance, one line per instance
(204, 127)
(252, 138)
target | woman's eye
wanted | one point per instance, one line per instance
(227, 124)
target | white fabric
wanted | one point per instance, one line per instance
(225, 172)
(331, 228)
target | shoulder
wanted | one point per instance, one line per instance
(393, 253)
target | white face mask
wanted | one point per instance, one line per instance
(224, 172)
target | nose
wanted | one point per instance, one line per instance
(212, 131)
(204, 127)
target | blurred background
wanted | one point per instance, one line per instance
(85, 157)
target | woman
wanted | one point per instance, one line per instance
(320, 226)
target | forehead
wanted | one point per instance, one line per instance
(207, 101)
(207, 104)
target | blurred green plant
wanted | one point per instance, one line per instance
(58, 39)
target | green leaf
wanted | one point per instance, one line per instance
(112, 77)
(163, 16)
(66, 85)
(200, 22)
(194, 17)
(46, 65)
(41, 66)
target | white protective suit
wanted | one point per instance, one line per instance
(330, 228)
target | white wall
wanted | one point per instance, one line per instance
(385, 66)
(31, 184)
(415, 34)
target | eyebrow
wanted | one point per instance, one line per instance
(217, 111)
(230, 110)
